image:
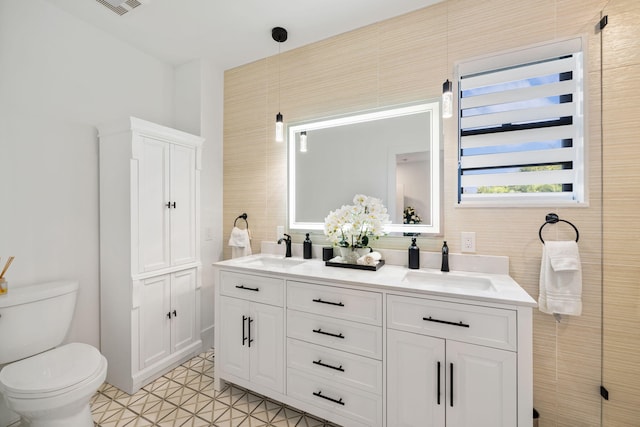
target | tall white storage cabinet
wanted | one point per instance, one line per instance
(150, 268)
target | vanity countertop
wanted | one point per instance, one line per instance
(485, 287)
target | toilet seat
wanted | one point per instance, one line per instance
(52, 372)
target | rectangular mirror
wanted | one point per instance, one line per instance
(392, 154)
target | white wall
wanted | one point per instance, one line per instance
(60, 77)
(198, 110)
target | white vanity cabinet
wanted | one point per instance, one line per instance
(334, 350)
(436, 374)
(150, 269)
(364, 349)
(251, 330)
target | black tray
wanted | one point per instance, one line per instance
(355, 266)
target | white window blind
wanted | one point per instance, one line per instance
(521, 136)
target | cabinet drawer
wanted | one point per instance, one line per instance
(350, 304)
(365, 340)
(358, 405)
(253, 288)
(493, 327)
(335, 366)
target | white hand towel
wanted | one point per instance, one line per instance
(372, 258)
(560, 279)
(240, 242)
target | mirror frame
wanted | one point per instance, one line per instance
(430, 107)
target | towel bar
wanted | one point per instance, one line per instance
(552, 218)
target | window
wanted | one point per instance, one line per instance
(521, 133)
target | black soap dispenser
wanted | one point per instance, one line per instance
(445, 257)
(414, 255)
(306, 248)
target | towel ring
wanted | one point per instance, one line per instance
(243, 216)
(552, 219)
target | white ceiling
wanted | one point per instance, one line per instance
(233, 32)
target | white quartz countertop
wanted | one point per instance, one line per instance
(492, 288)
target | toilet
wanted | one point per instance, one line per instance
(42, 383)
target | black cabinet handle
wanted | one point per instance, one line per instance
(175, 313)
(339, 304)
(249, 330)
(247, 288)
(319, 394)
(169, 315)
(451, 395)
(320, 331)
(438, 383)
(244, 338)
(446, 322)
(319, 362)
(171, 205)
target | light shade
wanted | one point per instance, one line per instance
(303, 141)
(447, 99)
(279, 128)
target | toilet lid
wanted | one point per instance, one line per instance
(52, 370)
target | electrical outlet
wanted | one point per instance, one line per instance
(468, 241)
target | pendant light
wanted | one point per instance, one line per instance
(279, 34)
(447, 99)
(447, 86)
(303, 141)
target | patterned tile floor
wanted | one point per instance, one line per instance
(185, 397)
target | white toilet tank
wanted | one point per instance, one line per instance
(35, 318)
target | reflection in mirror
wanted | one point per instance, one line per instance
(391, 154)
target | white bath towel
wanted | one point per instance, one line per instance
(240, 242)
(560, 279)
(372, 258)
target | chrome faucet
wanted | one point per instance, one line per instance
(287, 241)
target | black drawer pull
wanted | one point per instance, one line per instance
(244, 338)
(438, 383)
(247, 288)
(319, 394)
(446, 322)
(319, 362)
(339, 304)
(320, 331)
(451, 395)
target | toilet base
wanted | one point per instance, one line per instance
(80, 419)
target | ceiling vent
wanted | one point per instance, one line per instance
(119, 6)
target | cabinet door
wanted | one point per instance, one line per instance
(484, 386)
(153, 214)
(155, 324)
(415, 380)
(183, 309)
(183, 213)
(267, 347)
(233, 354)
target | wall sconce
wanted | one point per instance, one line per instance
(279, 34)
(303, 141)
(447, 99)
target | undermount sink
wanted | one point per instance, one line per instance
(439, 280)
(273, 262)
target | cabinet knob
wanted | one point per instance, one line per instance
(169, 315)
(175, 313)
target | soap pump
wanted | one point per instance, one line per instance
(306, 248)
(445, 257)
(414, 255)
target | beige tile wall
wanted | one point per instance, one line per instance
(406, 59)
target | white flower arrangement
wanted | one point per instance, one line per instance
(410, 216)
(353, 225)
